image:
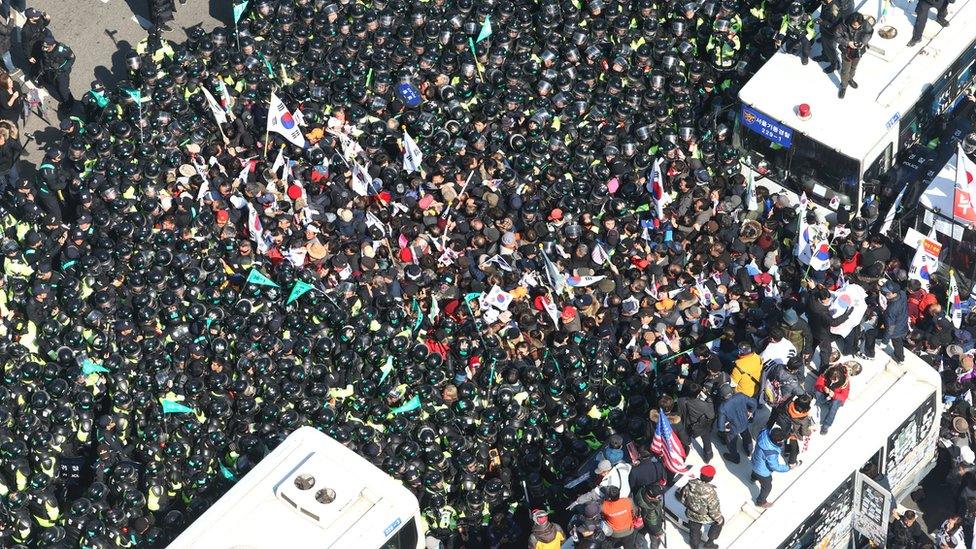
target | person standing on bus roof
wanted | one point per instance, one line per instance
(767, 459)
(796, 31)
(854, 36)
(702, 507)
(922, 17)
(832, 15)
(896, 319)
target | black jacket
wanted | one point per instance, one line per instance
(696, 415)
(9, 153)
(821, 321)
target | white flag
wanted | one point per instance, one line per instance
(926, 261)
(751, 202)
(256, 229)
(955, 307)
(219, 114)
(360, 179)
(279, 161)
(412, 157)
(551, 310)
(498, 298)
(890, 217)
(655, 183)
(205, 186)
(965, 172)
(282, 122)
(804, 238)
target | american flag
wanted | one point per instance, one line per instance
(667, 445)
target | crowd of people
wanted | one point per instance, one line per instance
(493, 247)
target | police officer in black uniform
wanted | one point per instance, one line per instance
(922, 17)
(55, 61)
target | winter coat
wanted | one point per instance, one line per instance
(841, 391)
(896, 316)
(733, 414)
(696, 414)
(746, 374)
(767, 458)
(701, 502)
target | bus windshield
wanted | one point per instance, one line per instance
(814, 165)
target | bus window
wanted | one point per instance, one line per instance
(880, 165)
(807, 160)
(405, 538)
(815, 163)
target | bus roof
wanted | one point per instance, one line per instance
(881, 398)
(262, 509)
(890, 77)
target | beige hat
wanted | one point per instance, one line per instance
(316, 250)
(345, 215)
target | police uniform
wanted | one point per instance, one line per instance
(56, 72)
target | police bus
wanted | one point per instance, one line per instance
(310, 491)
(794, 131)
(889, 426)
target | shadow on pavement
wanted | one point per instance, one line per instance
(112, 75)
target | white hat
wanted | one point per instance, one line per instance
(966, 455)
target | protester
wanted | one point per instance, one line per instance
(702, 509)
(896, 319)
(445, 248)
(767, 458)
(905, 533)
(833, 388)
(545, 534)
(650, 505)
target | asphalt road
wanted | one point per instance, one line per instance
(100, 32)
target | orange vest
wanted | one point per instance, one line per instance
(619, 514)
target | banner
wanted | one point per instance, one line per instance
(926, 261)
(282, 122)
(767, 127)
(965, 172)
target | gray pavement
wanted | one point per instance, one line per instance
(100, 32)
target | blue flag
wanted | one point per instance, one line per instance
(410, 406)
(255, 277)
(485, 29)
(173, 407)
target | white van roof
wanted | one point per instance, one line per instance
(890, 78)
(882, 396)
(266, 509)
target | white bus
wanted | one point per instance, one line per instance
(890, 420)
(310, 491)
(845, 146)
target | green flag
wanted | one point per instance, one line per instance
(89, 367)
(410, 406)
(386, 369)
(485, 29)
(472, 295)
(225, 471)
(173, 407)
(255, 277)
(239, 10)
(298, 290)
(135, 94)
(420, 315)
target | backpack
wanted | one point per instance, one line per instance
(794, 336)
(772, 392)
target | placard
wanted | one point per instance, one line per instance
(872, 506)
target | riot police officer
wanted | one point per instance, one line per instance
(56, 60)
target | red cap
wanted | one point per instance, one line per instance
(763, 278)
(569, 312)
(222, 216)
(555, 215)
(539, 303)
(708, 471)
(294, 192)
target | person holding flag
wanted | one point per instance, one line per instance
(281, 121)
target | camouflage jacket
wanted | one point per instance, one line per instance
(701, 502)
